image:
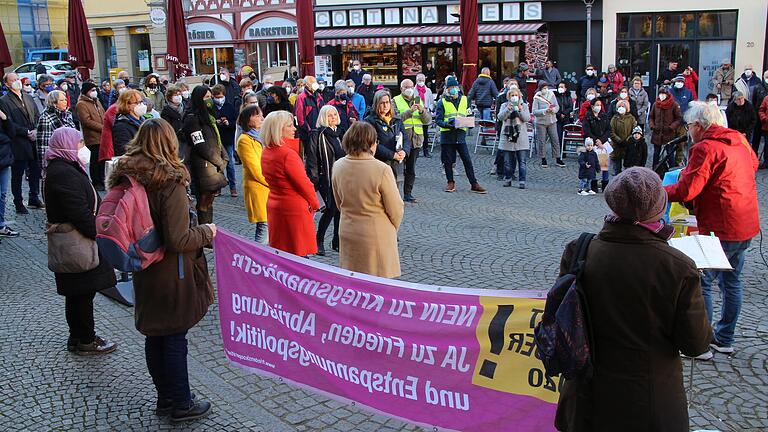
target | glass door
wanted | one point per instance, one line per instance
(672, 51)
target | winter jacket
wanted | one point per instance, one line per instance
(741, 118)
(91, 115)
(586, 108)
(645, 307)
(283, 105)
(682, 96)
(621, 131)
(453, 135)
(346, 111)
(722, 83)
(106, 147)
(425, 118)
(50, 120)
(367, 90)
(751, 82)
(522, 84)
(173, 116)
(616, 80)
(323, 151)
(227, 131)
(70, 198)
(720, 181)
(566, 106)
(597, 127)
(255, 187)
(356, 76)
(387, 137)
(636, 152)
(666, 76)
(541, 103)
(359, 103)
(640, 97)
(232, 88)
(612, 108)
(664, 120)
(551, 76)
(156, 96)
(6, 153)
(584, 83)
(509, 119)
(208, 159)
(307, 109)
(126, 127)
(764, 114)
(173, 294)
(104, 99)
(22, 115)
(690, 84)
(483, 92)
(588, 157)
(759, 93)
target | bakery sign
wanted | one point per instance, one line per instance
(427, 14)
(272, 28)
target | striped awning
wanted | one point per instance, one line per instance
(423, 34)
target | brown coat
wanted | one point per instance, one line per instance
(762, 114)
(173, 294)
(665, 123)
(371, 212)
(644, 300)
(91, 116)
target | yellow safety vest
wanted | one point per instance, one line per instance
(415, 120)
(452, 112)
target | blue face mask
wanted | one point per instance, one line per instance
(270, 99)
(453, 92)
(49, 88)
(342, 97)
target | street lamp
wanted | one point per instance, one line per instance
(588, 4)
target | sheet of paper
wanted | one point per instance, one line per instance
(465, 122)
(705, 251)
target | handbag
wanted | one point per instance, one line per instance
(68, 250)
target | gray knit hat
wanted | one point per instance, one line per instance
(637, 195)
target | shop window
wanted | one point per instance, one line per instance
(634, 59)
(717, 24)
(510, 58)
(675, 25)
(225, 58)
(634, 26)
(204, 61)
(379, 60)
(488, 57)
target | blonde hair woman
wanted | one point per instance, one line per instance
(174, 294)
(292, 200)
(371, 208)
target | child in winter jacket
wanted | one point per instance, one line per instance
(636, 149)
(589, 166)
(603, 151)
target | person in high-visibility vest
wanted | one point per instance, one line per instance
(453, 139)
(415, 116)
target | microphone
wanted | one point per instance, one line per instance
(678, 140)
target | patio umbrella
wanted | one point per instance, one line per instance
(178, 47)
(80, 46)
(469, 42)
(305, 21)
(5, 55)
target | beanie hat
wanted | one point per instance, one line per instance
(451, 81)
(60, 81)
(637, 195)
(523, 66)
(87, 87)
(542, 83)
(589, 141)
(679, 77)
(637, 129)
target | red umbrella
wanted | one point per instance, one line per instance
(5, 55)
(305, 21)
(469, 42)
(80, 46)
(178, 47)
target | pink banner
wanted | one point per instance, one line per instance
(450, 358)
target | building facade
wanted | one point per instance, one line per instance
(31, 25)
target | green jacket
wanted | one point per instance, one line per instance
(621, 130)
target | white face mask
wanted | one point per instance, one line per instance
(28, 89)
(287, 90)
(408, 93)
(679, 85)
(596, 109)
(84, 155)
(748, 73)
(621, 110)
(623, 95)
(17, 85)
(267, 85)
(321, 87)
(64, 87)
(514, 99)
(223, 77)
(177, 99)
(420, 83)
(662, 96)
(560, 90)
(140, 109)
(356, 67)
(314, 86)
(351, 89)
(590, 72)
(93, 94)
(219, 101)
(123, 89)
(185, 94)
(545, 92)
(590, 97)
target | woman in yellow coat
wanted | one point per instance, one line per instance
(255, 187)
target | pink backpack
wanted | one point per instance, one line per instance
(125, 232)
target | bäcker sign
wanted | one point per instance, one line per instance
(272, 31)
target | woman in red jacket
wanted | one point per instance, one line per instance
(292, 199)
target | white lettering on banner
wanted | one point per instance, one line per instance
(259, 307)
(391, 16)
(374, 17)
(448, 314)
(532, 11)
(355, 337)
(356, 17)
(490, 12)
(411, 15)
(340, 19)
(429, 15)
(322, 19)
(510, 11)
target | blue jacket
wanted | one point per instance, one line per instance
(588, 157)
(682, 96)
(453, 136)
(483, 92)
(584, 83)
(358, 101)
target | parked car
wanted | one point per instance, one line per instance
(47, 55)
(56, 69)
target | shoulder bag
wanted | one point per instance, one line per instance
(69, 251)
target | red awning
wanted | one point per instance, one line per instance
(423, 34)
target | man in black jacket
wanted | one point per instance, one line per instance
(226, 120)
(6, 161)
(23, 115)
(759, 92)
(741, 114)
(233, 89)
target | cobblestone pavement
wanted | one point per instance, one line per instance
(508, 239)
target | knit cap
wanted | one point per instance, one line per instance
(637, 195)
(679, 77)
(451, 81)
(637, 129)
(589, 141)
(87, 87)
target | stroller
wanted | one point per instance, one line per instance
(668, 158)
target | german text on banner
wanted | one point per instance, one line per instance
(455, 359)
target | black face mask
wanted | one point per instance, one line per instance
(295, 74)
(165, 82)
(127, 80)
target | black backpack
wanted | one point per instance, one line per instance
(563, 337)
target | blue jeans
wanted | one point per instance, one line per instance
(231, 167)
(5, 181)
(512, 159)
(167, 363)
(261, 233)
(448, 157)
(584, 184)
(485, 113)
(730, 290)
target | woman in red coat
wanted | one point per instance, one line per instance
(292, 199)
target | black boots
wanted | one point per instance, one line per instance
(205, 216)
(593, 186)
(604, 184)
(320, 245)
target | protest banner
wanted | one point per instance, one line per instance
(448, 358)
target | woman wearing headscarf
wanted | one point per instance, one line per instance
(645, 307)
(323, 151)
(71, 199)
(208, 158)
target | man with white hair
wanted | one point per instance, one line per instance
(483, 93)
(720, 183)
(367, 89)
(261, 95)
(358, 101)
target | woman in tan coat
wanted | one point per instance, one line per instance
(370, 205)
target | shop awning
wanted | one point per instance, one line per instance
(423, 34)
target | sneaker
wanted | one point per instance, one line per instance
(493, 170)
(582, 193)
(450, 187)
(500, 177)
(410, 199)
(233, 193)
(476, 188)
(591, 192)
(544, 163)
(7, 232)
(36, 204)
(719, 347)
(165, 406)
(559, 162)
(71, 344)
(197, 410)
(707, 355)
(507, 183)
(20, 209)
(521, 186)
(98, 346)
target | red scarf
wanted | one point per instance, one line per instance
(666, 103)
